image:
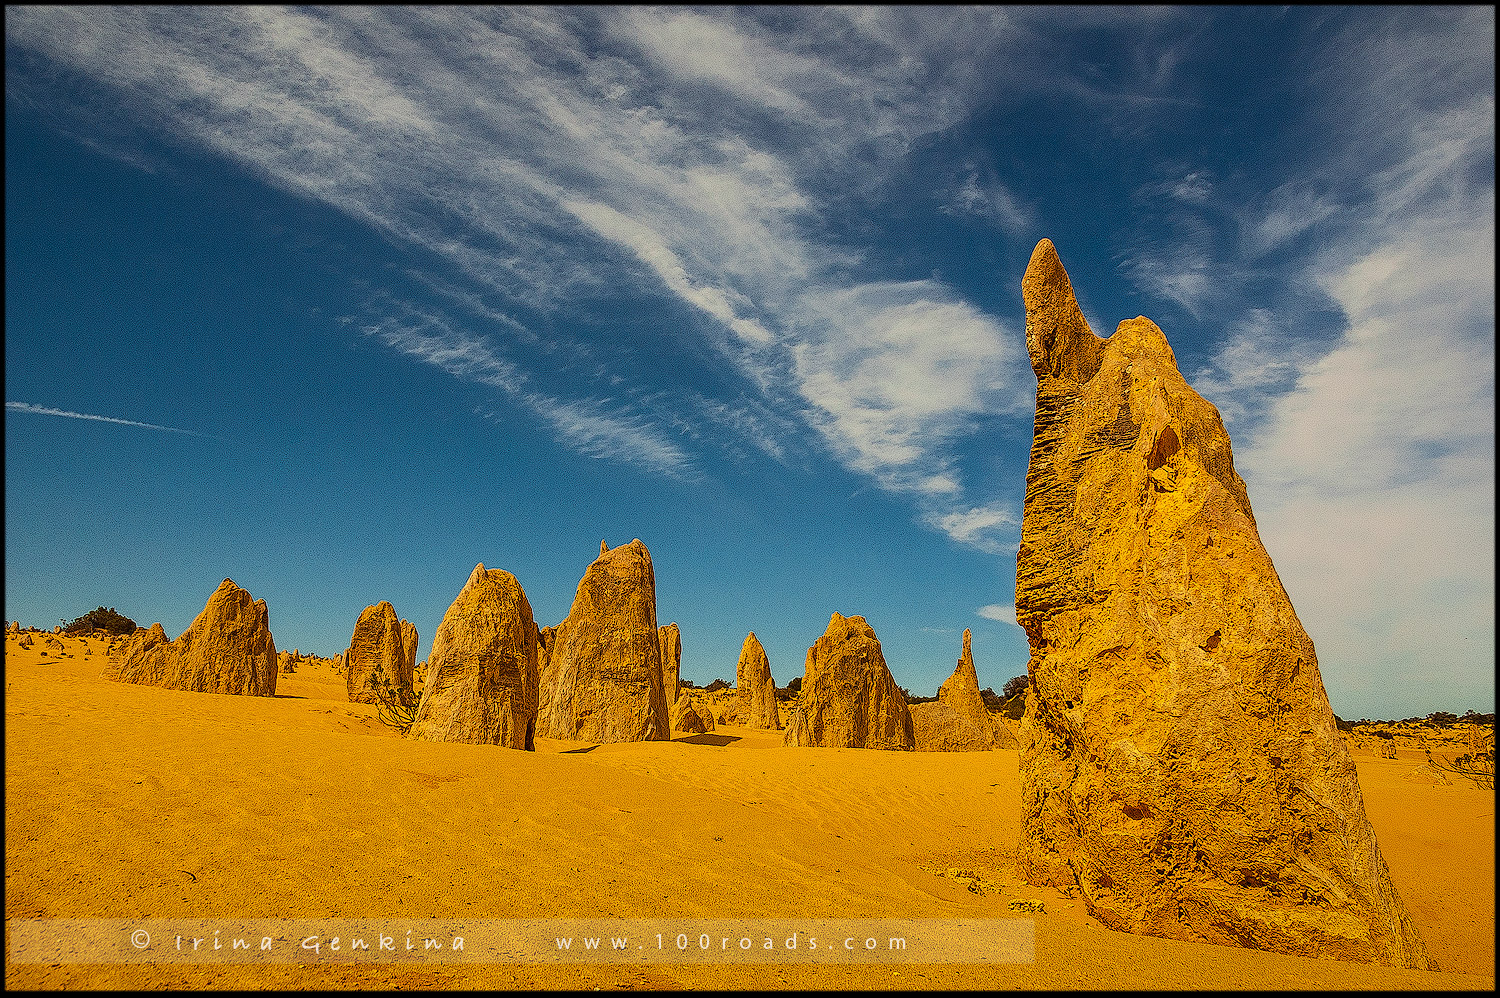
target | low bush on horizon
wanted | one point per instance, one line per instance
(103, 619)
(1437, 719)
(1010, 701)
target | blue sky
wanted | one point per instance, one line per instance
(339, 302)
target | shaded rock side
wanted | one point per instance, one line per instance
(690, 718)
(1181, 767)
(755, 690)
(1004, 732)
(849, 698)
(546, 638)
(671, 660)
(603, 681)
(957, 721)
(409, 642)
(482, 675)
(377, 667)
(227, 649)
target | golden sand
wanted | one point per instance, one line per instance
(133, 802)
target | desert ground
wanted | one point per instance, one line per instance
(131, 802)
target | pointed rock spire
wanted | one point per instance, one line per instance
(1180, 764)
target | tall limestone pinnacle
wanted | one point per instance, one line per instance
(957, 721)
(377, 666)
(482, 671)
(755, 690)
(849, 698)
(1180, 764)
(602, 680)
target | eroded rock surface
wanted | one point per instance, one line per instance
(957, 721)
(691, 718)
(377, 666)
(755, 690)
(227, 649)
(603, 681)
(1181, 767)
(409, 643)
(849, 699)
(671, 660)
(482, 677)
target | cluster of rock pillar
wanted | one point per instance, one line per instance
(1181, 767)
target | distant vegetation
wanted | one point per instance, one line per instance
(1437, 719)
(717, 685)
(1011, 700)
(913, 698)
(103, 619)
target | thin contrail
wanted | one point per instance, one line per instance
(45, 411)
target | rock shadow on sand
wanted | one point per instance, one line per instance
(709, 739)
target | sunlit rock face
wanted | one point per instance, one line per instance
(377, 666)
(1181, 767)
(603, 677)
(755, 690)
(957, 721)
(482, 674)
(227, 649)
(671, 660)
(849, 699)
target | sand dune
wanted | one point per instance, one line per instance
(129, 801)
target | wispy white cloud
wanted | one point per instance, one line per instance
(432, 339)
(1373, 475)
(591, 427)
(1284, 214)
(1181, 266)
(537, 152)
(594, 427)
(1260, 357)
(992, 529)
(648, 246)
(1003, 612)
(41, 410)
(990, 199)
(893, 371)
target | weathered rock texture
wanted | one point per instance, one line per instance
(957, 721)
(671, 660)
(1180, 763)
(546, 637)
(603, 681)
(691, 718)
(227, 649)
(377, 666)
(292, 661)
(482, 670)
(849, 699)
(755, 690)
(409, 643)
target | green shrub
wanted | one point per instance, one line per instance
(103, 619)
